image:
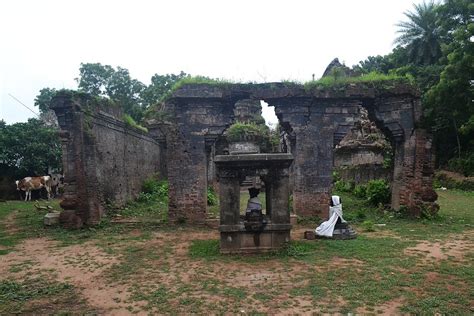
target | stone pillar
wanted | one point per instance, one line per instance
(229, 197)
(313, 169)
(280, 213)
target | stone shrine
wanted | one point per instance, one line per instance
(271, 231)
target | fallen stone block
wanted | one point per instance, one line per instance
(51, 219)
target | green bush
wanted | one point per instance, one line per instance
(211, 197)
(335, 176)
(368, 226)
(154, 188)
(242, 131)
(360, 191)
(378, 192)
(344, 186)
(444, 179)
(464, 165)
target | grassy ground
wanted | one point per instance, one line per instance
(405, 266)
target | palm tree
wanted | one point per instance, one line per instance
(421, 34)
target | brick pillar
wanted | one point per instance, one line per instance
(81, 203)
(413, 175)
(187, 178)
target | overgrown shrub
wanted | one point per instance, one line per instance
(240, 131)
(453, 181)
(152, 188)
(378, 192)
(259, 133)
(360, 191)
(211, 197)
(463, 165)
(368, 226)
(344, 186)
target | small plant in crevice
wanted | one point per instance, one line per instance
(212, 198)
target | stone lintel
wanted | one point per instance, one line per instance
(280, 90)
(257, 161)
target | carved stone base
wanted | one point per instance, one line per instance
(238, 240)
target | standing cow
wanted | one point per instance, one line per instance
(29, 184)
(57, 183)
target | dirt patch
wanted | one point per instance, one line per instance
(437, 251)
(343, 262)
(80, 265)
(387, 308)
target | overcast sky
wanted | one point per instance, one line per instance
(44, 42)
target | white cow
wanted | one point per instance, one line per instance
(57, 183)
(29, 184)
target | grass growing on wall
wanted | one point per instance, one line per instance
(373, 79)
(128, 120)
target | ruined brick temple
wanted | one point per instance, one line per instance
(106, 161)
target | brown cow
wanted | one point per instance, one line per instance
(29, 184)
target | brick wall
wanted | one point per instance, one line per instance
(104, 160)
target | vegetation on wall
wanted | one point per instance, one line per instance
(128, 120)
(261, 134)
(372, 80)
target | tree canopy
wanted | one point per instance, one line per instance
(28, 149)
(117, 84)
(435, 46)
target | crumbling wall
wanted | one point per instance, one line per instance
(191, 128)
(104, 160)
(315, 119)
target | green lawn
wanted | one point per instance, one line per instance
(405, 266)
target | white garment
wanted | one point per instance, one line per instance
(327, 228)
(254, 204)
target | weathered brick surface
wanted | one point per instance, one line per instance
(314, 120)
(104, 160)
(192, 124)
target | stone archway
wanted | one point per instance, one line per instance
(314, 116)
(196, 114)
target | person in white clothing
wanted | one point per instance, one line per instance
(326, 228)
(254, 202)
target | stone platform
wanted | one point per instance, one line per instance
(236, 239)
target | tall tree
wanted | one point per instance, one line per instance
(93, 78)
(160, 85)
(126, 91)
(449, 104)
(43, 101)
(421, 34)
(28, 148)
(104, 80)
